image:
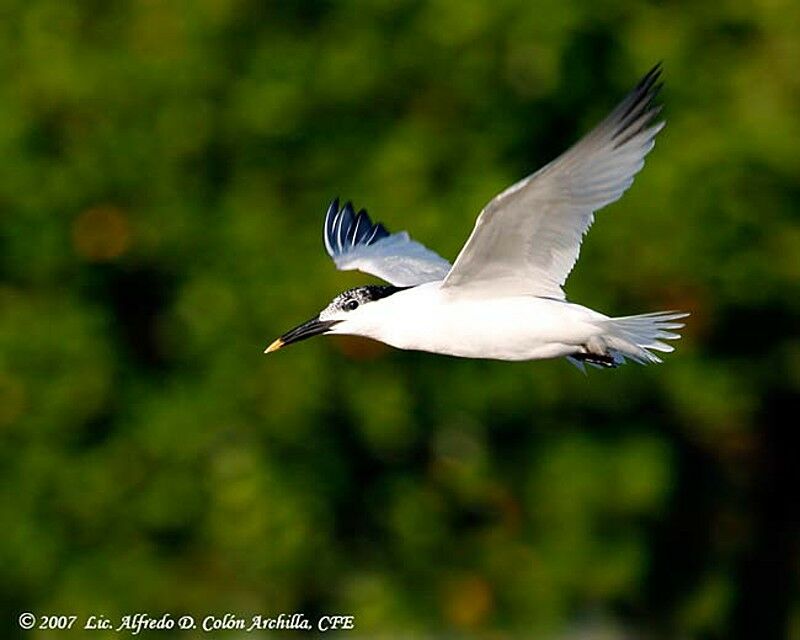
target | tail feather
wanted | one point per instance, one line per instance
(636, 337)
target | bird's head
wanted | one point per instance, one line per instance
(350, 313)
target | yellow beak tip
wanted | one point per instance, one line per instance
(274, 346)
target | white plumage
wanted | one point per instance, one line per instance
(503, 298)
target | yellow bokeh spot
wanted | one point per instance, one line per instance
(467, 601)
(357, 348)
(101, 233)
(13, 399)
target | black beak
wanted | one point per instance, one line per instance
(314, 327)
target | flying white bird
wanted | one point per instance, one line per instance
(502, 298)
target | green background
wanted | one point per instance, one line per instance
(166, 167)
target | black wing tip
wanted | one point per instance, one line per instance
(651, 84)
(344, 228)
(645, 90)
(380, 232)
(639, 109)
(656, 69)
(651, 77)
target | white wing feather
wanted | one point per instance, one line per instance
(528, 238)
(354, 242)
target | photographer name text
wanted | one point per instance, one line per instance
(135, 623)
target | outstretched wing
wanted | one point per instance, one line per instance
(354, 242)
(528, 238)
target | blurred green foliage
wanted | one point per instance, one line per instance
(166, 167)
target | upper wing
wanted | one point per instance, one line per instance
(355, 243)
(528, 238)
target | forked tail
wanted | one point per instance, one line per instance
(631, 337)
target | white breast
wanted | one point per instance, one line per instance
(427, 318)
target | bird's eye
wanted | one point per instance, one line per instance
(352, 305)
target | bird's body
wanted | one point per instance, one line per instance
(429, 318)
(502, 298)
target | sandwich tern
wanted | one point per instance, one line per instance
(502, 298)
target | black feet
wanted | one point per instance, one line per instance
(598, 360)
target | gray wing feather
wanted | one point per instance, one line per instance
(354, 242)
(528, 238)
